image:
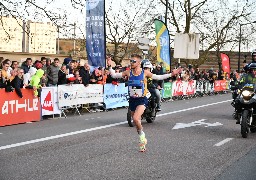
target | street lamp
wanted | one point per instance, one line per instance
(74, 38)
(239, 45)
(58, 40)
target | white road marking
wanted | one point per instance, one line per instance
(1, 133)
(195, 123)
(96, 128)
(59, 136)
(223, 142)
(188, 109)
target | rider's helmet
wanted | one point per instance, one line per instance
(253, 55)
(146, 64)
(252, 66)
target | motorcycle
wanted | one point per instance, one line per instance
(149, 113)
(245, 104)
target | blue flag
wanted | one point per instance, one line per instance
(95, 32)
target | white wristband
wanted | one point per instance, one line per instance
(160, 77)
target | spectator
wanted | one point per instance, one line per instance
(186, 75)
(71, 68)
(221, 75)
(100, 76)
(43, 61)
(17, 82)
(78, 79)
(67, 61)
(197, 74)
(1, 62)
(158, 71)
(27, 77)
(62, 75)
(5, 71)
(94, 76)
(15, 65)
(109, 78)
(44, 68)
(26, 65)
(52, 73)
(10, 63)
(35, 83)
(2, 81)
(14, 73)
(48, 62)
(84, 72)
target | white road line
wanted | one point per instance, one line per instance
(188, 109)
(59, 136)
(223, 142)
(96, 128)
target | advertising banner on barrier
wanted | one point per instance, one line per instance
(167, 90)
(49, 101)
(70, 95)
(177, 88)
(15, 110)
(115, 96)
(220, 85)
(180, 88)
(189, 87)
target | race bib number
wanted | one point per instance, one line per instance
(135, 92)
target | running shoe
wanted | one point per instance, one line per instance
(143, 142)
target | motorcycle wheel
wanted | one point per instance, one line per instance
(129, 118)
(244, 124)
(253, 130)
(151, 118)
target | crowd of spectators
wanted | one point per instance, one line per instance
(15, 75)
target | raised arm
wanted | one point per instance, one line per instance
(113, 73)
(164, 76)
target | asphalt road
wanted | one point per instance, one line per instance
(190, 139)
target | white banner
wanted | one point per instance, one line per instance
(74, 94)
(49, 101)
(186, 46)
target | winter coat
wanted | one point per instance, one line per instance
(17, 84)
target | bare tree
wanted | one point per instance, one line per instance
(124, 25)
(217, 22)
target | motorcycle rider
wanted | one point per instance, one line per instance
(249, 78)
(137, 87)
(253, 54)
(146, 65)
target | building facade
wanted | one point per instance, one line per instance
(11, 34)
(41, 37)
(31, 37)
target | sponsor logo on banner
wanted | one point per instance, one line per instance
(18, 106)
(48, 102)
(15, 110)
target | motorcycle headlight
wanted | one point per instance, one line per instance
(246, 94)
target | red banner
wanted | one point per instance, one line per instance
(15, 110)
(220, 85)
(225, 63)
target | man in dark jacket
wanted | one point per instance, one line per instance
(26, 65)
(62, 75)
(52, 73)
(17, 82)
(84, 72)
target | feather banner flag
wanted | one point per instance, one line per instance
(225, 63)
(95, 32)
(163, 44)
